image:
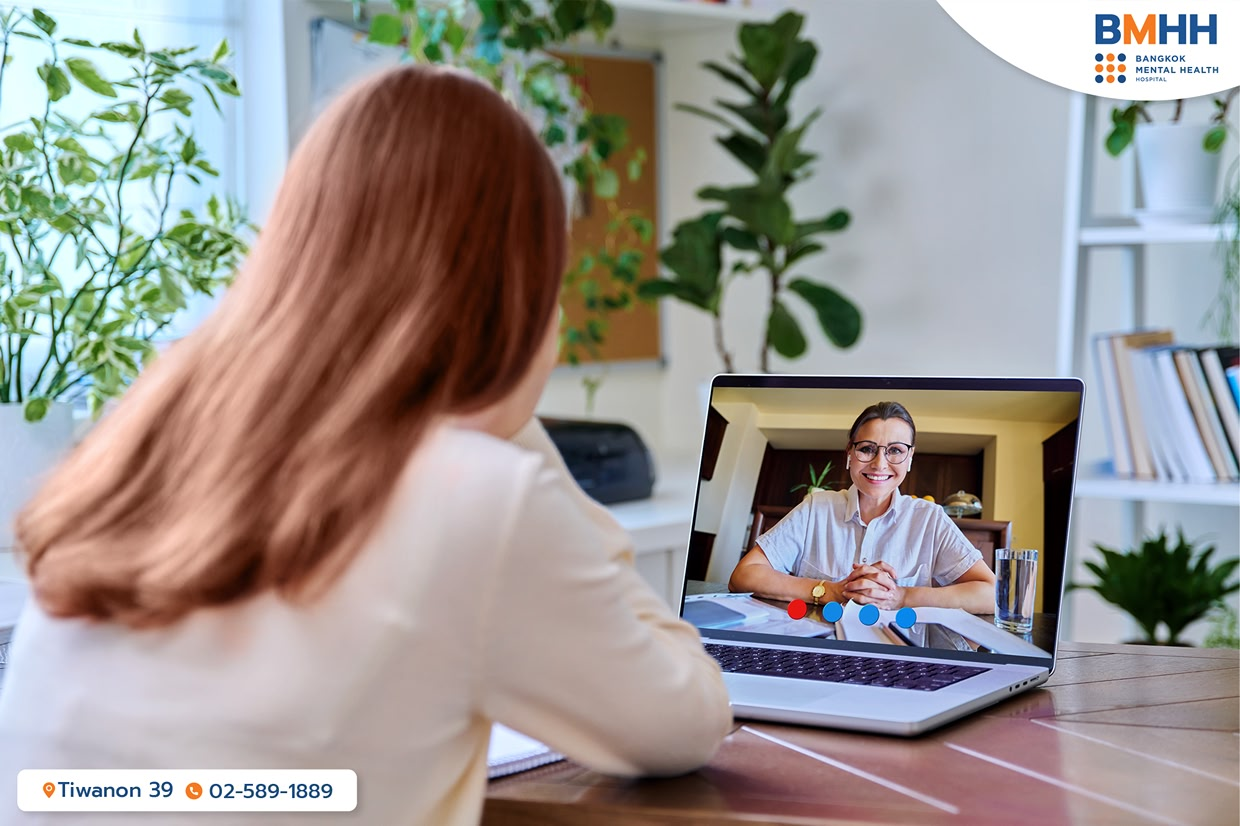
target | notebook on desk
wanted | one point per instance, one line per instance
(900, 668)
(511, 751)
(13, 594)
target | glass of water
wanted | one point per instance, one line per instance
(1016, 586)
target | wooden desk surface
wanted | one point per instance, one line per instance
(1120, 734)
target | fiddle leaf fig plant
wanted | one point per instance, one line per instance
(95, 260)
(1162, 584)
(751, 228)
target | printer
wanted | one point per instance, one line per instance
(608, 459)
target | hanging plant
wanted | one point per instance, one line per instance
(508, 43)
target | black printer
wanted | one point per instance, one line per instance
(608, 459)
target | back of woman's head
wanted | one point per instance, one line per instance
(409, 268)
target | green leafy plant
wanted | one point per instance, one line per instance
(506, 43)
(1124, 122)
(817, 481)
(1222, 311)
(94, 260)
(1158, 584)
(1224, 630)
(754, 222)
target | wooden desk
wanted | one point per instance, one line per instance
(1121, 735)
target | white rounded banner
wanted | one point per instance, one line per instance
(1112, 48)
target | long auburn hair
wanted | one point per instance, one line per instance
(409, 269)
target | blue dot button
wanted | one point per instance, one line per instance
(832, 611)
(906, 618)
(869, 614)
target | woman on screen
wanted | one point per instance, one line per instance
(325, 529)
(870, 544)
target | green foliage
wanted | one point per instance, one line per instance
(1162, 585)
(1222, 311)
(816, 480)
(504, 42)
(753, 224)
(94, 261)
(1124, 123)
(1223, 627)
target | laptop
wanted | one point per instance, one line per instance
(1006, 447)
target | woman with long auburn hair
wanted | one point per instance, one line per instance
(325, 531)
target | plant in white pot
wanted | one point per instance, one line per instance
(817, 481)
(95, 261)
(1178, 160)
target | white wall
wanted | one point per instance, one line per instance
(951, 163)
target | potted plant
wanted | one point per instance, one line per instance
(1158, 584)
(95, 261)
(1224, 630)
(1178, 161)
(817, 481)
(751, 228)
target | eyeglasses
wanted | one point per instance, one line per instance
(896, 452)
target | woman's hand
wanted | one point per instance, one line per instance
(874, 585)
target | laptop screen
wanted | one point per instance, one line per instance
(928, 514)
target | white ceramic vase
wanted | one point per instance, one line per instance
(1179, 178)
(28, 450)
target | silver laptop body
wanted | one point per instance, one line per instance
(1018, 438)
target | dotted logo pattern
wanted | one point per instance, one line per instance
(1110, 67)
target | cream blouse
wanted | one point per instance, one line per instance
(494, 590)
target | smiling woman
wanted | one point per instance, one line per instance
(870, 544)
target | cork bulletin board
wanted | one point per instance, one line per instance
(616, 83)
(625, 86)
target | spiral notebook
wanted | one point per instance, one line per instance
(511, 752)
(12, 596)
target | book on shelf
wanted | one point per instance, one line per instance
(1212, 364)
(1168, 464)
(511, 751)
(1115, 422)
(1206, 415)
(1169, 410)
(1122, 345)
(1184, 436)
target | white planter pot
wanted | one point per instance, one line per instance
(1179, 179)
(29, 451)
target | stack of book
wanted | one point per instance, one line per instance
(1172, 412)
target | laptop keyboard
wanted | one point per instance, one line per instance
(917, 675)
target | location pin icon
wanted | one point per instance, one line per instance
(49, 789)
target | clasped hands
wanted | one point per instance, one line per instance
(874, 585)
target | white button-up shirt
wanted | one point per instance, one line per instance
(823, 536)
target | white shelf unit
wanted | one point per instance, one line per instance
(1096, 484)
(1085, 234)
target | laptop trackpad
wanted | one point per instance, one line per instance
(777, 692)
